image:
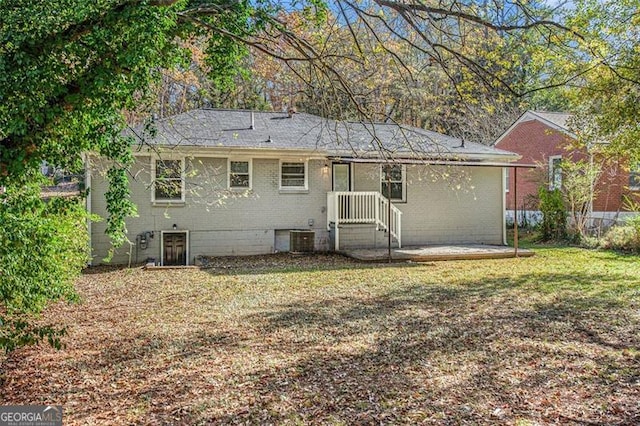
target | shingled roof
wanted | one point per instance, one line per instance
(560, 119)
(210, 128)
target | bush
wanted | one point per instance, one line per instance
(624, 237)
(554, 214)
(43, 247)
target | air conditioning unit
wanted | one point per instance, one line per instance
(301, 241)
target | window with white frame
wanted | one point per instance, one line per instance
(555, 172)
(393, 181)
(293, 175)
(168, 180)
(634, 177)
(507, 177)
(239, 174)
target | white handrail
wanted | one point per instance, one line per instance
(363, 207)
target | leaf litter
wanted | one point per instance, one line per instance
(323, 339)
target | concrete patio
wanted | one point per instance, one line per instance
(438, 252)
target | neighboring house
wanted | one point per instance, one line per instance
(544, 138)
(61, 182)
(220, 182)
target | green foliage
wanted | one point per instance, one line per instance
(595, 70)
(67, 70)
(554, 214)
(43, 246)
(624, 237)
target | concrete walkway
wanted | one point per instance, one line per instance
(438, 252)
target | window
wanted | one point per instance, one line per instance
(168, 183)
(293, 175)
(239, 174)
(507, 176)
(392, 182)
(634, 177)
(555, 172)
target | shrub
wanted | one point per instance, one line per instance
(554, 214)
(43, 247)
(624, 237)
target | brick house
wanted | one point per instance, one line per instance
(544, 138)
(227, 182)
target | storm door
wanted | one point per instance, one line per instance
(342, 183)
(341, 177)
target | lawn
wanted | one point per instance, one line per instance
(324, 340)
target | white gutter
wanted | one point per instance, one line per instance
(279, 152)
(225, 152)
(438, 162)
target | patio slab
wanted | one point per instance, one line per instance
(438, 252)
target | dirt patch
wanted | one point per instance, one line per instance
(276, 261)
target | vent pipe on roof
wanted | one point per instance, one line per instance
(291, 112)
(253, 121)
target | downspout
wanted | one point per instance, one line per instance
(336, 213)
(87, 187)
(504, 206)
(591, 190)
(389, 216)
(515, 211)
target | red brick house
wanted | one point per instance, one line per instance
(544, 138)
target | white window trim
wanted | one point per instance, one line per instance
(153, 184)
(404, 182)
(634, 170)
(244, 160)
(507, 179)
(551, 182)
(306, 175)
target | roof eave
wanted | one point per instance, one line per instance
(525, 117)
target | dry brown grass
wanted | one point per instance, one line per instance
(324, 340)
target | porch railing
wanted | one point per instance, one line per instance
(363, 207)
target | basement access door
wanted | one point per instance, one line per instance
(174, 248)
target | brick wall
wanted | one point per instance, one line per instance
(537, 142)
(220, 222)
(444, 205)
